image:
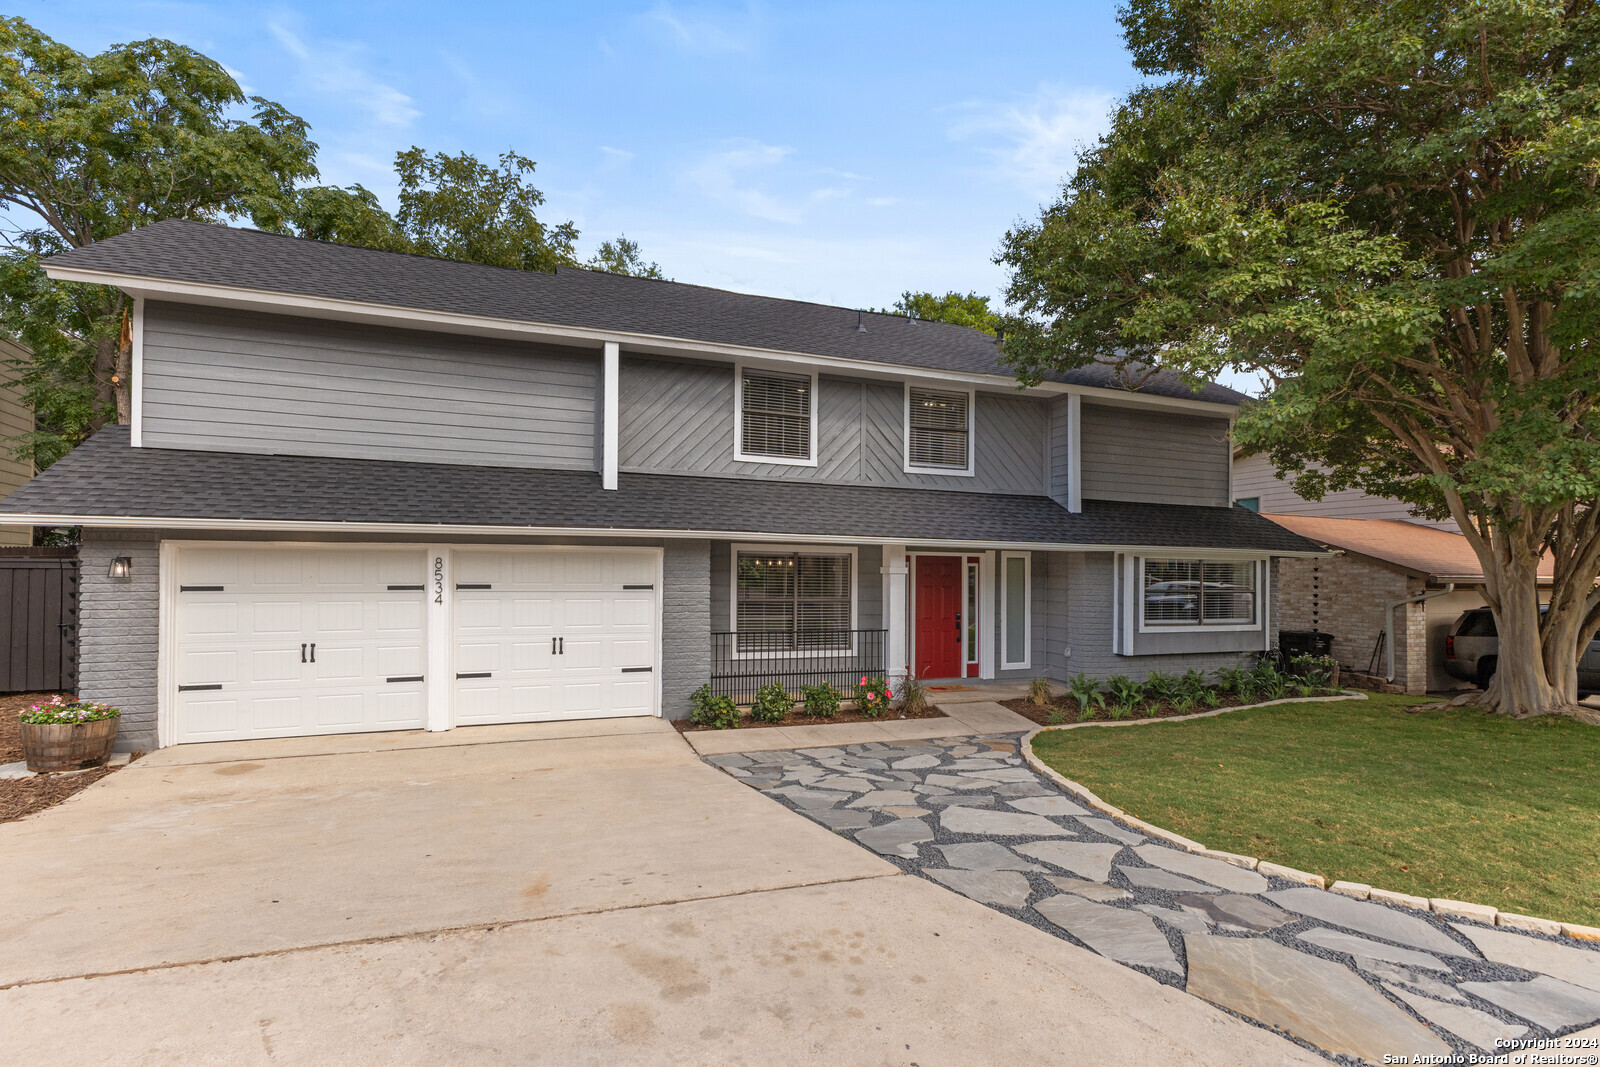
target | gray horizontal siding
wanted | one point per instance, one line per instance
(232, 381)
(677, 417)
(1060, 472)
(1254, 476)
(1154, 456)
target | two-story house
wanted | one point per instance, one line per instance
(371, 491)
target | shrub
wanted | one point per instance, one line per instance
(872, 697)
(1126, 695)
(1193, 685)
(1039, 691)
(1235, 680)
(1316, 671)
(1160, 686)
(1269, 682)
(772, 703)
(707, 710)
(822, 701)
(913, 695)
(1086, 691)
(61, 712)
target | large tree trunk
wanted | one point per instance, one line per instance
(1521, 685)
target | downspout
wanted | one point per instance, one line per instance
(1388, 623)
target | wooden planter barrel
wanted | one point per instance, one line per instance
(68, 746)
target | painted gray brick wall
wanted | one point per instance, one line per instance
(677, 417)
(686, 623)
(118, 633)
(1091, 620)
(1154, 456)
(236, 381)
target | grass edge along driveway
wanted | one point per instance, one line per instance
(1455, 803)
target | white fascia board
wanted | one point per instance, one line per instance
(488, 326)
(426, 530)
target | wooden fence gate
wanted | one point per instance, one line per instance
(39, 622)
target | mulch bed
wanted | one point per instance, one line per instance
(24, 796)
(1064, 709)
(798, 717)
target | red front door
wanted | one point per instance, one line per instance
(938, 638)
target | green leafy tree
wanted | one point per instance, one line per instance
(91, 147)
(960, 309)
(622, 256)
(1389, 210)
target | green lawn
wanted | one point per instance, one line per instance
(1456, 803)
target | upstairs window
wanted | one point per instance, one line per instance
(1194, 592)
(938, 431)
(776, 417)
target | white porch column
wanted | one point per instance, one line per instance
(895, 613)
(440, 685)
(987, 596)
(608, 447)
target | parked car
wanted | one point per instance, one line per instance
(1472, 648)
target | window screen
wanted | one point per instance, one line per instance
(776, 416)
(1191, 592)
(792, 601)
(938, 429)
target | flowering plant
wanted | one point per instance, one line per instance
(872, 697)
(57, 711)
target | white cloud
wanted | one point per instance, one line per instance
(1034, 141)
(336, 69)
(732, 176)
(706, 32)
(615, 157)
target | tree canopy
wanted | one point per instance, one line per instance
(1389, 210)
(961, 309)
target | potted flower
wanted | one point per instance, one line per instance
(68, 735)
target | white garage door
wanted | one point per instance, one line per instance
(554, 634)
(283, 642)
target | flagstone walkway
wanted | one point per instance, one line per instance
(1352, 979)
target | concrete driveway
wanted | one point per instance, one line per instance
(563, 893)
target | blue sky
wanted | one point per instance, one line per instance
(838, 152)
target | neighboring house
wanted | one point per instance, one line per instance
(371, 491)
(1257, 486)
(16, 419)
(1388, 564)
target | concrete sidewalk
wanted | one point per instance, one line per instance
(598, 896)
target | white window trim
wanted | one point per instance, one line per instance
(1027, 610)
(810, 550)
(1137, 603)
(972, 432)
(739, 453)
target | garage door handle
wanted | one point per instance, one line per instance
(561, 645)
(313, 652)
(477, 674)
(196, 688)
(637, 670)
(302, 653)
(405, 678)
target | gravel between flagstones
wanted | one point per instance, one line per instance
(801, 781)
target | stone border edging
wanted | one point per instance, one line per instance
(1452, 909)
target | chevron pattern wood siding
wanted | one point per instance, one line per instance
(1060, 480)
(1154, 456)
(677, 418)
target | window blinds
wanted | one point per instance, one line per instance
(938, 430)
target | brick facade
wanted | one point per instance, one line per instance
(1346, 596)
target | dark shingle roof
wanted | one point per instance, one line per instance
(106, 477)
(178, 250)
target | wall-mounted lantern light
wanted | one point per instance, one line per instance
(121, 569)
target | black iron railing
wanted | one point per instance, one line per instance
(742, 663)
